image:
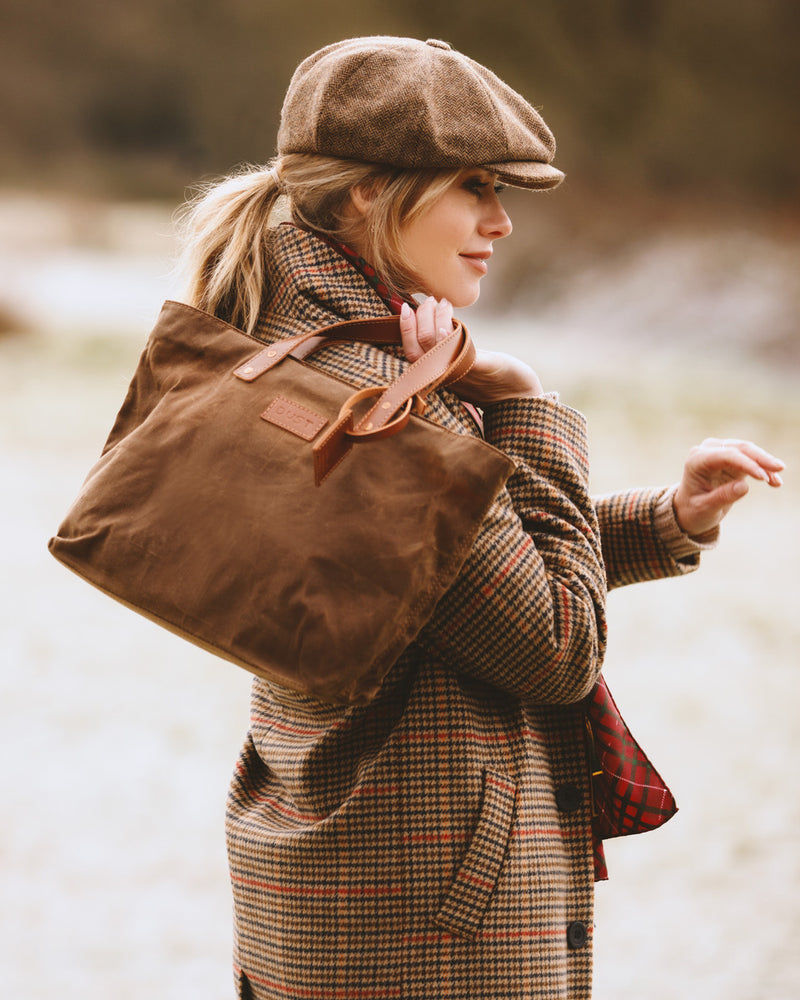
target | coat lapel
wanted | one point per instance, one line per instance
(310, 285)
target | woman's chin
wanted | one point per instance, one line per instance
(459, 298)
(464, 297)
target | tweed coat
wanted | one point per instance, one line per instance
(436, 843)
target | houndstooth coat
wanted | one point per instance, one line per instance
(436, 843)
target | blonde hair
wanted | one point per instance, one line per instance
(224, 228)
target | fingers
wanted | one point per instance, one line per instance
(423, 329)
(725, 496)
(731, 457)
(769, 464)
(434, 321)
(716, 475)
(718, 502)
(408, 333)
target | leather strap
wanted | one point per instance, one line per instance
(444, 364)
(447, 362)
(376, 330)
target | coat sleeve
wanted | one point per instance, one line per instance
(642, 540)
(526, 613)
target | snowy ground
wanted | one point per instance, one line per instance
(117, 739)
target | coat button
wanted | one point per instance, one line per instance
(577, 934)
(569, 798)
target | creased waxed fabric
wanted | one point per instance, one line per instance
(437, 842)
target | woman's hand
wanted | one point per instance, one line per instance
(493, 377)
(715, 477)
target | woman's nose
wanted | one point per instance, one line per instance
(496, 224)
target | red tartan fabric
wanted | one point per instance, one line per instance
(628, 794)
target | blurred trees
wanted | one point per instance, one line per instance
(676, 97)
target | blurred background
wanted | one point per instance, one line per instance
(657, 289)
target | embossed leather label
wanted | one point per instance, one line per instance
(294, 417)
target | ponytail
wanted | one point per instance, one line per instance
(223, 232)
(224, 229)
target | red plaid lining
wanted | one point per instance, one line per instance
(628, 794)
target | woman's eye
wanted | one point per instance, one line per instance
(476, 187)
(479, 187)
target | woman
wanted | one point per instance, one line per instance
(438, 841)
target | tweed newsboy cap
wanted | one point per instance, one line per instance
(413, 104)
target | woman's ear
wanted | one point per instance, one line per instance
(361, 198)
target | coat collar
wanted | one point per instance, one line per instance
(310, 285)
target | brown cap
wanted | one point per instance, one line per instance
(414, 104)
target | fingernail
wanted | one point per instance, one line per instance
(777, 479)
(444, 302)
(405, 310)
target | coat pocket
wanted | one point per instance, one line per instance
(464, 906)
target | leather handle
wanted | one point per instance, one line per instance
(447, 362)
(374, 330)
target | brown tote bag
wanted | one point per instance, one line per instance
(248, 503)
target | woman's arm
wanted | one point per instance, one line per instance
(641, 538)
(526, 613)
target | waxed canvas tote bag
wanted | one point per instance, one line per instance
(265, 511)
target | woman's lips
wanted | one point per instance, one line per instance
(478, 260)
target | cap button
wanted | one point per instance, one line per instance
(438, 44)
